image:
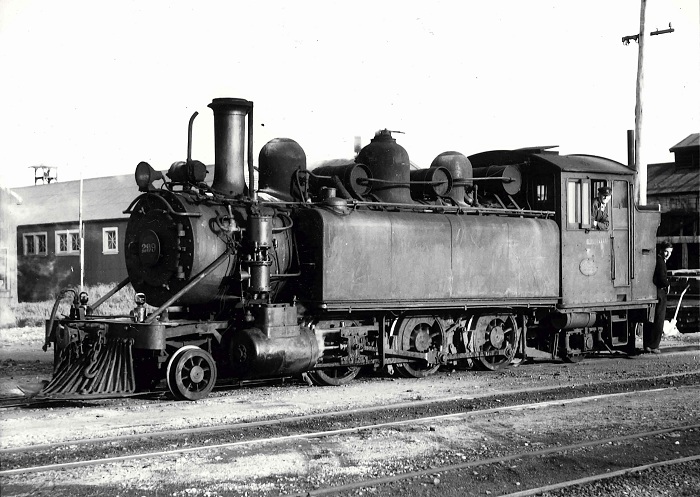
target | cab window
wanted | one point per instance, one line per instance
(578, 204)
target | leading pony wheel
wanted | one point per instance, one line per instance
(191, 373)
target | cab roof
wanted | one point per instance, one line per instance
(575, 163)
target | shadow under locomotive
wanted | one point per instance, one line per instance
(360, 263)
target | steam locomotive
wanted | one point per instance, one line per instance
(479, 261)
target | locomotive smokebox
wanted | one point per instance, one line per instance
(278, 163)
(229, 144)
(461, 170)
(390, 167)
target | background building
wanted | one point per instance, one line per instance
(48, 234)
(676, 187)
(8, 255)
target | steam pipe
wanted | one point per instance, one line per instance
(189, 136)
(188, 286)
(114, 290)
(251, 169)
(630, 150)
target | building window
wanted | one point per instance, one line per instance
(578, 204)
(67, 242)
(34, 243)
(110, 240)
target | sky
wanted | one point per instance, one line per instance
(94, 87)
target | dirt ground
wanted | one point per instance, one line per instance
(23, 363)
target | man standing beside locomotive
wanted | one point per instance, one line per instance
(652, 335)
(599, 209)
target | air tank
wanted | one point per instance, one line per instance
(353, 178)
(429, 184)
(390, 167)
(509, 176)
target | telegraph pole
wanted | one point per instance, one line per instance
(640, 179)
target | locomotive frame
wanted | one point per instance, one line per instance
(477, 262)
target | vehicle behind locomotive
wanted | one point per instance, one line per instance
(478, 261)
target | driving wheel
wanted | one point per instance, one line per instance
(499, 337)
(423, 334)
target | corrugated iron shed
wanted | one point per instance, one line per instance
(667, 178)
(673, 177)
(690, 141)
(103, 198)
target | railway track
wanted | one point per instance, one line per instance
(297, 425)
(139, 449)
(475, 403)
(484, 467)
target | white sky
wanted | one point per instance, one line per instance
(94, 87)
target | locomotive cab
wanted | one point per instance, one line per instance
(606, 272)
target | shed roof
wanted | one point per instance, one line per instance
(59, 202)
(103, 198)
(691, 141)
(668, 178)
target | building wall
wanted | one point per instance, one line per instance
(689, 203)
(42, 275)
(8, 258)
(104, 266)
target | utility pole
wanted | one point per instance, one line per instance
(640, 179)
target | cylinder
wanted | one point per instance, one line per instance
(390, 167)
(510, 179)
(254, 355)
(229, 144)
(460, 168)
(354, 177)
(429, 184)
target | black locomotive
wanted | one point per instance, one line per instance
(476, 261)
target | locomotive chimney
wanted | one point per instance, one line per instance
(229, 144)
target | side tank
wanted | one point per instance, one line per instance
(368, 259)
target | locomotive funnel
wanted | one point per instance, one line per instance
(229, 144)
